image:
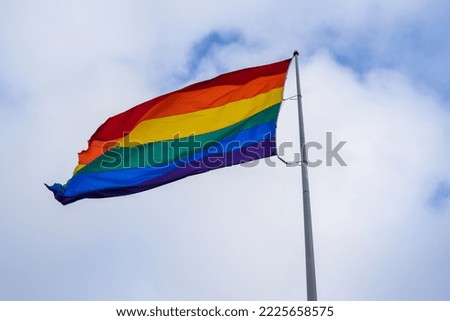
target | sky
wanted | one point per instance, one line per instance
(375, 74)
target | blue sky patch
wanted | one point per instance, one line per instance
(418, 49)
(207, 47)
(440, 195)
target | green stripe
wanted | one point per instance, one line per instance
(163, 152)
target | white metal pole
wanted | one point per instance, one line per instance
(309, 247)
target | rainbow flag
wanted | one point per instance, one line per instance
(227, 120)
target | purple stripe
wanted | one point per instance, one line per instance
(246, 154)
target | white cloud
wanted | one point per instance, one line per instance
(371, 212)
(234, 233)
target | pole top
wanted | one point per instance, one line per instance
(295, 53)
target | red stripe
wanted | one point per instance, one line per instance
(117, 125)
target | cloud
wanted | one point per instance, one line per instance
(235, 233)
(376, 207)
(207, 46)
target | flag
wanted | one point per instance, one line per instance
(227, 120)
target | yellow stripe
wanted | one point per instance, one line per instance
(79, 166)
(200, 122)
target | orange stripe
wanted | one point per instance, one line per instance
(188, 102)
(200, 122)
(95, 149)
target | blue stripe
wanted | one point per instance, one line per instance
(88, 182)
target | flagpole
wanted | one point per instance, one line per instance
(309, 247)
